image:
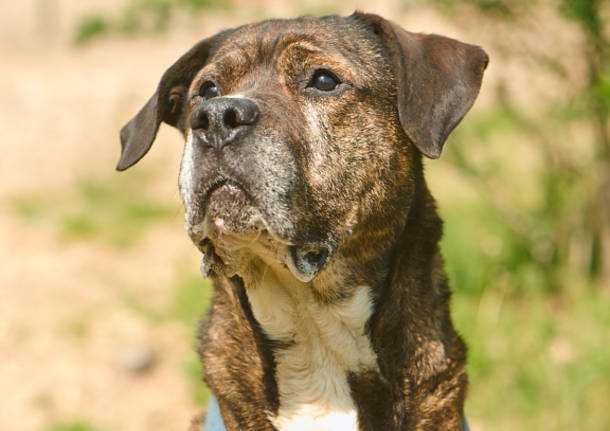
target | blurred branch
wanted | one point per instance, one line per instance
(587, 13)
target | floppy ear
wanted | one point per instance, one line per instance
(165, 105)
(438, 79)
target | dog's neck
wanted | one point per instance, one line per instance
(321, 344)
(317, 345)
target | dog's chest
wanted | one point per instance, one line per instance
(322, 343)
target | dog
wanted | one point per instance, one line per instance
(303, 189)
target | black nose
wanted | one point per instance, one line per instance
(219, 121)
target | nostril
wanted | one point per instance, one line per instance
(200, 120)
(230, 119)
(205, 122)
(239, 112)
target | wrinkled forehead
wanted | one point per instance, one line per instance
(266, 42)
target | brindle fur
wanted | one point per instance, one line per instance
(343, 170)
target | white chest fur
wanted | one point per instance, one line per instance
(327, 341)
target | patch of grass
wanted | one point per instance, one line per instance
(109, 210)
(29, 208)
(192, 371)
(205, 4)
(192, 295)
(78, 328)
(480, 250)
(90, 27)
(192, 298)
(535, 364)
(76, 425)
(149, 313)
(142, 16)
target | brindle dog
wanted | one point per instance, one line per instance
(303, 186)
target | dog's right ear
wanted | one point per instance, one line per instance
(165, 105)
(438, 79)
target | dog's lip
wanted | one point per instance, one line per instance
(196, 218)
(217, 184)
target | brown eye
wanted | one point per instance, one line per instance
(324, 80)
(208, 90)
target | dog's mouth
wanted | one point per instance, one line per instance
(305, 262)
(230, 222)
(227, 207)
(224, 188)
(221, 208)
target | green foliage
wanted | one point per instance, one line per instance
(140, 307)
(494, 235)
(601, 87)
(537, 362)
(493, 8)
(548, 218)
(115, 213)
(142, 16)
(113, 209)
(204, 4)
(79, 328)
(90, 27)
(193, 296)
(151, 14)
(523, 246)
(586, 12)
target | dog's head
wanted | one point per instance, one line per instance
(303, 135)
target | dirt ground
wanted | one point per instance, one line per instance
(61, 107)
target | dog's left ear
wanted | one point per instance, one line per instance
(438, 79)
(165, 105)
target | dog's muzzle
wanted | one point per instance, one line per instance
(221, 122)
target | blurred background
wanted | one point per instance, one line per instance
(100, 292)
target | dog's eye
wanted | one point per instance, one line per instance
(208, 90)
(324, 80)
